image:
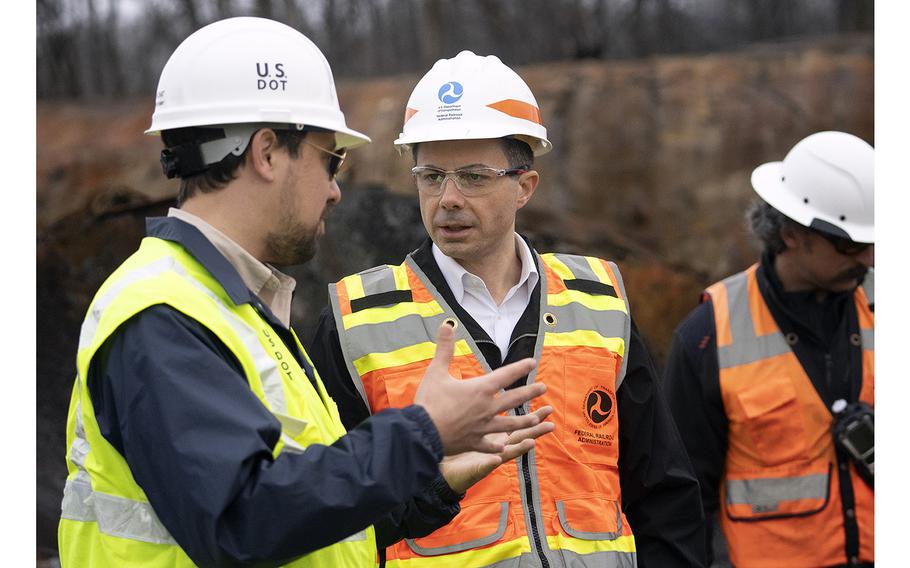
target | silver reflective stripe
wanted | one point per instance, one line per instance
(869, 286)
(746, 347)
(461, 546)
(378, 280)
(356, 537)
(603, 559)
(578, 265)
(366, 339)
(868, 336)
(627, 330)
(347, 346)
(93, 317)
(265, 365)
(741, 326)
(116, 516)
(766, 494)
(584, 535)
(749, 351)
(574, 316)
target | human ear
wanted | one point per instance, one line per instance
(262, 153)
(527, 185)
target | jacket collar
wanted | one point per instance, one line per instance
(205, 253)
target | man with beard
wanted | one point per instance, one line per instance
(773, 368)
(612, 486)
(199, 432)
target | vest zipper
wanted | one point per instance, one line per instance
(532, 513)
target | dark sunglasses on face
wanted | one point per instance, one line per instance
(845, 246)
(336, 158)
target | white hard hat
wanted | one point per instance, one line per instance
(249, 71)
(472, 97)
(826, 182)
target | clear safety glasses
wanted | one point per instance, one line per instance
(470, 181)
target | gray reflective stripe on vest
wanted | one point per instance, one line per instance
(765, 495)
(869, 286)
(467, 545)
(369, 338)
(116, 516)
(746, 347)
(585, 535)
(868, 336)
(377, 280)
(346, 346)
(606, 323)
(127, 518)
(578, 265)
(265, 365)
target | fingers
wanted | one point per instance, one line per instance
(508, 374)
(490, 445)
(445, 348)
(512, 451)
(502, 423)
(514, 398)
(534, 431)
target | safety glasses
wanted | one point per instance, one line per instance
(336, 159)
(845, 246)
(470, 181)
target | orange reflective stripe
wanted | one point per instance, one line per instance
(518, 109)
(555, 284)
(408, 113)
(616, 286)
(718, 293)
(343, 301)
(419, 293)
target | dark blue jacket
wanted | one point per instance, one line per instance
(174, 401)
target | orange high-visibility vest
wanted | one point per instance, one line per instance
(781, 495)
(562, 501)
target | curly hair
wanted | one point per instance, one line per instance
(766, 223)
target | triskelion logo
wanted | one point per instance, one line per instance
(598, 406)
(450, 93)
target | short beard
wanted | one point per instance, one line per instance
(291, 244)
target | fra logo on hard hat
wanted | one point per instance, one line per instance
(451, 92)
(598, 406)
(271, 80)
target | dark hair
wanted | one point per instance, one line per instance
(517, 152)
(767, 223)
(218, 175)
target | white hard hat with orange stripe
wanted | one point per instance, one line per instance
(472, 97)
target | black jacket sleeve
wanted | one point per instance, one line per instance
(171, 398)
(430, 509)
(660, 494)
(692, 385)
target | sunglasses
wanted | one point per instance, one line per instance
(845, 246)
(336, 159)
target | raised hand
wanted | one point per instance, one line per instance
(464, 470)
(466, 411)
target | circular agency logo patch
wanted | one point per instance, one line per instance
(450, 93)
(598, 406)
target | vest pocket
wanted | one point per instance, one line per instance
(591, 518)
(796, 495)
(774, 421)
(589, 412)
(475, 526)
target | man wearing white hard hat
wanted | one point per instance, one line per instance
(612, 486)
(771, 378)
(199, 432)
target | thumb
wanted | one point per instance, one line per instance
(445, 348)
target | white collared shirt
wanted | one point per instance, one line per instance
(472, 294)
(273, 287)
